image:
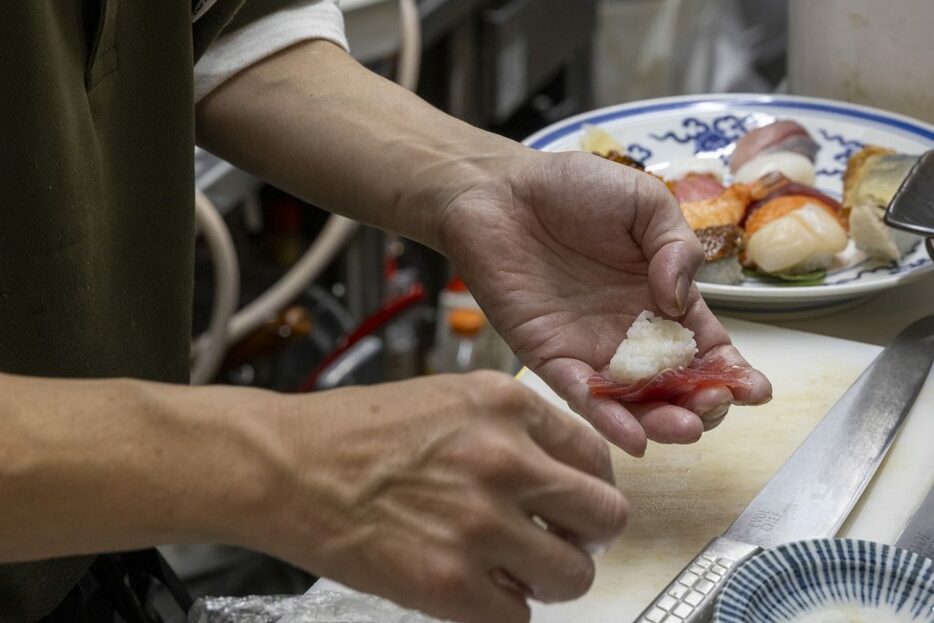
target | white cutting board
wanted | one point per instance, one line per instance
(683, 496)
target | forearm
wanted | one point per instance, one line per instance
(90, 466)
(314, 122)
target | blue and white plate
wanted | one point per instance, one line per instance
(665, 133)
(830, 581)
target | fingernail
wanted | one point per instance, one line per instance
(681, 293)
(596, 550)
(716, 413)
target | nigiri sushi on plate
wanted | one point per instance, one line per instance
(711, 149)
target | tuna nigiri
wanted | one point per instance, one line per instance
(656, 361)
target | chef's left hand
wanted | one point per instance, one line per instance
(563, 251)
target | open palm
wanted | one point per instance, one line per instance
(563, 252)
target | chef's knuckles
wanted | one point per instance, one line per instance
(451, 589)
(609, 511)
(492, 460)
(502, 394)
(564, 576)
(587, 443)
(579, 576)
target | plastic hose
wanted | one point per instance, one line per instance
(213, 344)
(410, 45)
(208, 350)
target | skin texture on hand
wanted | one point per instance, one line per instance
(563, 251)
(425, 492)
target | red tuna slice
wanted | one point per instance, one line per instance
(789, 134)
(696, 187)
(672, 383)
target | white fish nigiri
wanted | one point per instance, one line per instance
(872, 178)
(801, 241)
(794, 166)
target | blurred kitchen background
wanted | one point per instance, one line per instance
(352, 305)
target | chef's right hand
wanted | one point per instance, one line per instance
(425, 491)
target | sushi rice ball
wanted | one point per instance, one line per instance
(652, 345)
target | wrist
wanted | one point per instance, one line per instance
(227, 470)
(477, 162)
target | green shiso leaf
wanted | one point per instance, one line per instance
(781, 279)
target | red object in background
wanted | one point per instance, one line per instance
(390, 268)
(390, 310)
(456, 284)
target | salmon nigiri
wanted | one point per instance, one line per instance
(730, 206)
(795, 234)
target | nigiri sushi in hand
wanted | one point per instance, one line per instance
(656, 362)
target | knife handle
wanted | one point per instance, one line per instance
(691, 596)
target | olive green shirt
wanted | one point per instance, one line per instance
(96, 204)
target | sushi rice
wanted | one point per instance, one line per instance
(652, 345)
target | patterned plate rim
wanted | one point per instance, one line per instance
(898, 576)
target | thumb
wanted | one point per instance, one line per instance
(674, 252)
(671, 274)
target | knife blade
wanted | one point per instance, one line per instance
(918, 535)
(912, 207)
(817, 487)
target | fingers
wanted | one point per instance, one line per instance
(548, 567)
(592, 511)
(456, 590)
(711, 404)
(708, 332)
(561, 435)
(673, 251)
(568, 378)
(671, 274)
(713, 341)
(571, 442)
(668, 423)
(759, 390)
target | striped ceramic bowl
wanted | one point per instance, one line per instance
(830, 581)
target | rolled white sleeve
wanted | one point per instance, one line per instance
(233, 52)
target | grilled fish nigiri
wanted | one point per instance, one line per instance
(794, 234)
(729, 207)
(872, 178)
(722, 246)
